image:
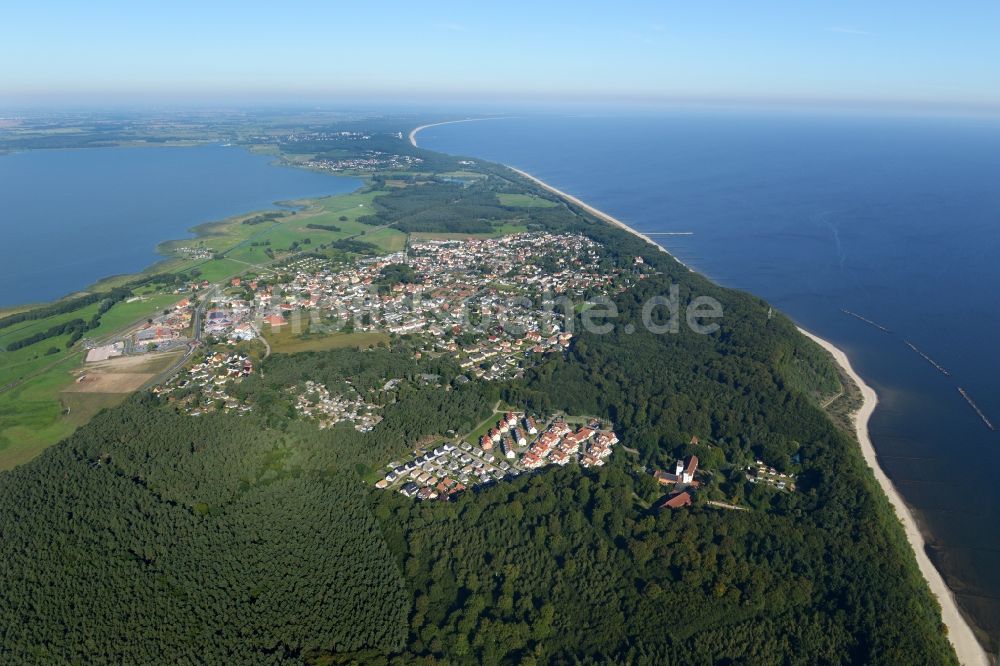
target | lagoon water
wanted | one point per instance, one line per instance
(71, 217)
(897, 219)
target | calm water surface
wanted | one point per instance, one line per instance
(71, 217)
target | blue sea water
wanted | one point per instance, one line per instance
(71, 217)
(897, 219)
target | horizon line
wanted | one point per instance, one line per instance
(497, 99)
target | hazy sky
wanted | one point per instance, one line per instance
(887, 50)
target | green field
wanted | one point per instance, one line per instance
(284, 341)
(81, 407)
(22, 363)
(31, 415)
(465, 175)
(38, 412)
(483, 428)
(23, 329)
(525, 201)
(246, 246)
(389, 240)
(125, 314)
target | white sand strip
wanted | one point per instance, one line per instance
(969, 651)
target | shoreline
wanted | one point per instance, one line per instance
(614, 221)
(167, 262)
(970, 652)
(967, 647)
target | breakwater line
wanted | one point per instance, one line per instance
(927, 358)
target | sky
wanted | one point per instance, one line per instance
(912, 52)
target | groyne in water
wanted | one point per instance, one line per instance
(972, 403)
(866, 320)
(927, 358)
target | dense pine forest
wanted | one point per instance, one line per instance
(150, 536)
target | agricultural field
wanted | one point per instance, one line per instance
(389, 240)
(30, 327)
(33, 379)
(216, 270)
(49, 406)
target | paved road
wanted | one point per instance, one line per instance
(260, 336)
(175, 367)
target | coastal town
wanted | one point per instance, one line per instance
(162, 332)
(494, 305)
(489, 303)
(205, 384)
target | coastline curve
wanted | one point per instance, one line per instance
(959, 632)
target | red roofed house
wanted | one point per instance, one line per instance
(531, 460)
(275, 320)
(677, 501)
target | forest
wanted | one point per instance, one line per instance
(151, 536)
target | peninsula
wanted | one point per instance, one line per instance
(410, 393)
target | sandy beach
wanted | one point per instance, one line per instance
(597, 213)
(968, 649)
